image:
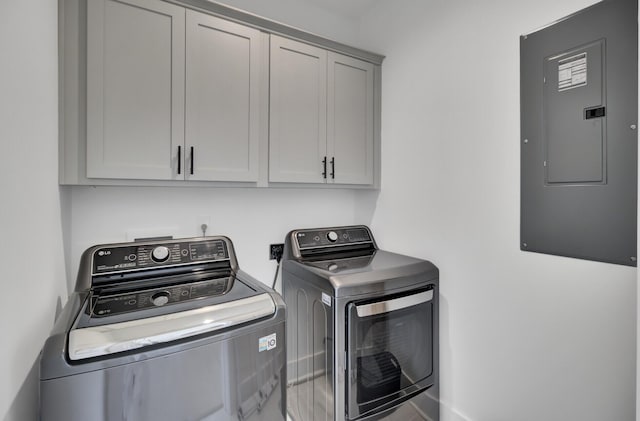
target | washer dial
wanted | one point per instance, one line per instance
(160, 298)
(160, 254)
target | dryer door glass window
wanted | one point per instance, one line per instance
(390, 351)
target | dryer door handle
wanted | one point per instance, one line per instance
(394, 304)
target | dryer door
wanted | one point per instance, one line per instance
(390, 351)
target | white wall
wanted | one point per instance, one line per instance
(252, 218)
(524, 336)
(31, 256)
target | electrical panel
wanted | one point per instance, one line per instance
(579, 110)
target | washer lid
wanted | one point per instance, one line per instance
(108, 339)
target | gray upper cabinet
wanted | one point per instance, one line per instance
(222, 102)
(298, 112)
(141, 121)
(168, 93)
(135, 88)
(350, 141)
(321, 116)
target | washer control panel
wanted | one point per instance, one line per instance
(332, 236)
(157, 297)
(143, 256)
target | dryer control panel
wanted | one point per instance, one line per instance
(328, 237)
(133, 256)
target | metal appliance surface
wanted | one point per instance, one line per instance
(166, 330)
(363, 329)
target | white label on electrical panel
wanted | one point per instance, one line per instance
(267, 342)
(572, 72)
(326, 299)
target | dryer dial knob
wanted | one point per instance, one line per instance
(160, 254)
(332, 236)
(160, 298)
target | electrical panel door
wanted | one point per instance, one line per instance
(579, 153)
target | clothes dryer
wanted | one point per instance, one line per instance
(362, 325)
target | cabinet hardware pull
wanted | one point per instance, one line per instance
(179, 159)
(192, 160)
(333, 167)
(324, 165)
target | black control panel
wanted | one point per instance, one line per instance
(133, 257)
(157, 297)
(330, 237)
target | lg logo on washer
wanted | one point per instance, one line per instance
(267, 342)
(104, 252)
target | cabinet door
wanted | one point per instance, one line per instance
(135, 88)
(298, 112)
(350, 120)
(222, 99)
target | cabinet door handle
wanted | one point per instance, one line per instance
(179, 159)
(192, 153)
(333, 167)
(324, 166)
